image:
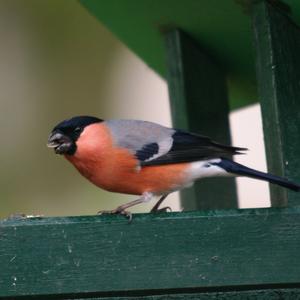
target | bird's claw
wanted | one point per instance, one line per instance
(163, 209)
(117, 211)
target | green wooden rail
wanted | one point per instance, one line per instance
(182, 253)
(212, 254)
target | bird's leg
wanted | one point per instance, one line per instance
(156, 208)
(122, 208)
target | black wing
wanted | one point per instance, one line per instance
(188, 147)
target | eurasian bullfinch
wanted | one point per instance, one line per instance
(146, 159)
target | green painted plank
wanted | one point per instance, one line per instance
(272, 294)
(199, 103)
(156, 252)
(277, 42)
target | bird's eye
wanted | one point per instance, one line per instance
(78, 129)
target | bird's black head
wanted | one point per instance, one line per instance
(65, 134)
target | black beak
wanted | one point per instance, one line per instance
(61, 143)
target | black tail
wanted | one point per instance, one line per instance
(235, 168)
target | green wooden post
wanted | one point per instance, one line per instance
(199, 103)
(277, 43)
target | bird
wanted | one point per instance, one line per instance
(146, 159)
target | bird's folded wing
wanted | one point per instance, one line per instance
(153, 144)
(187, 147)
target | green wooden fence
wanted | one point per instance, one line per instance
(212, 254)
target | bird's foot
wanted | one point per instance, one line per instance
(117, 211)
(163, 209)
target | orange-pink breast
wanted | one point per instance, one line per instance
(117, 170)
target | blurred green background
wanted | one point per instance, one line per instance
(57, 61)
